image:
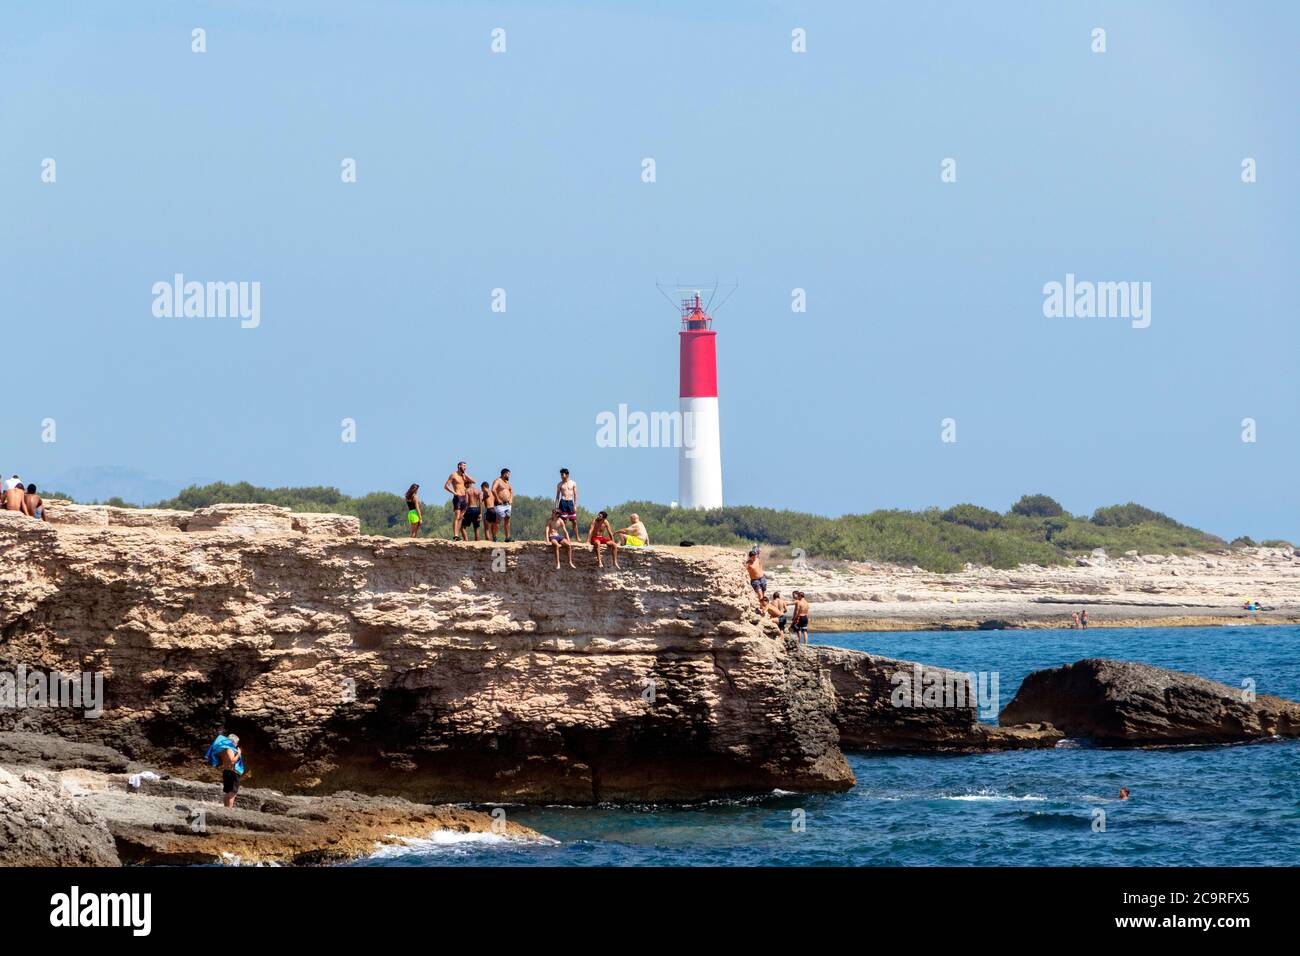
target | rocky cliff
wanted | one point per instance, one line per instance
(428, 669)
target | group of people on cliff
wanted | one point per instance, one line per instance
(22, 498)
(776, 607)
(489, 507)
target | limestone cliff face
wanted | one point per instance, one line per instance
(429, 669)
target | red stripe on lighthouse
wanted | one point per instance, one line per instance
(699, 367)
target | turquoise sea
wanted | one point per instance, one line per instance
(1193, 806)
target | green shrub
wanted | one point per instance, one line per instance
(973, 516)
(1127, 515)
(1036, 530)
(1037, 506)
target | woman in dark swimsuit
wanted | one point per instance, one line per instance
(414, 514)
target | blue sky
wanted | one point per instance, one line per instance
(778, 170)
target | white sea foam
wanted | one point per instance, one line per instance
(450, 841)
(990, 795)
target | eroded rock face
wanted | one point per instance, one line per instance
(427, 669)
(891, 705)
(41, 824)
(64, 803)
(1116, 702)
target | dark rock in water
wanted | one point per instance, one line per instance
(890, 705)
(1117, 702)
(996, 625)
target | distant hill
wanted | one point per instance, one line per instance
(1035, 530)
(112, 482)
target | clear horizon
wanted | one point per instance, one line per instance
(523, 171)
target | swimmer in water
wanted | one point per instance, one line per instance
(1123, 793)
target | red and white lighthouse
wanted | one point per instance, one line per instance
(699, 462)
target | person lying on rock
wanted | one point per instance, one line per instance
(226, 753)
(557, 532)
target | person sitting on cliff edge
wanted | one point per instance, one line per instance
(557, 532)
(15, 498)
(776, 608)
(601, 533)
(226, 753)
(634, 535)
(35, 503)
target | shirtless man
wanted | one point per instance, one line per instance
(777, 603)
(489, 511)
(503, 495)
(16, 499)
(456, 485)
(634, 535)
(34, 502)
(566, 499)
(599, 534)
(473, 511)
(800, 622)
(557, 532)
(757, 579)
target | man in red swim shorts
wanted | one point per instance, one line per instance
(601, 533)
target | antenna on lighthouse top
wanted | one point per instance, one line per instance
(695, 300)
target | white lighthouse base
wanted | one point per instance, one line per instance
(699, 462)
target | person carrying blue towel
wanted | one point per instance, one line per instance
(225, 753)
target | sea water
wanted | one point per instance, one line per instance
(1235, 805)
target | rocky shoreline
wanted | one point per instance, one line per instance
(1131, 590)
(69, 804)
(374, 680)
